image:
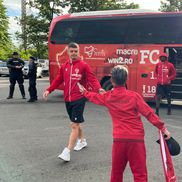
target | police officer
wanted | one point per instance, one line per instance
(15, 65)
(32, 74)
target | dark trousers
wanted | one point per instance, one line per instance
(132, 152)
(16, 77)
(32, 88)
(163, 91)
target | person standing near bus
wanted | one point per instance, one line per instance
(125, 107)
(70, 73)
(15, 65)
(32, 75)
(165, 73)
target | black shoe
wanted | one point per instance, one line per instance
(157, 112)
(23, 97)
(169, 112)
(31, 100)
(9, 97)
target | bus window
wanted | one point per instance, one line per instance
(156, 30)
(90, 31)
(64, 32)
(118, 30)
(102, 31)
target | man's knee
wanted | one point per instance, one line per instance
(12, 81)
(140, 177)
(116, 177)
(20, 81)
(75, 126)
(12, 85)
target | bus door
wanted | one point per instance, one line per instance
(175, 57)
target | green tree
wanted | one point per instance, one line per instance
(5, 42)
(26, 54)
(171, 5)
(37, 26)
(36, 36)
(45, 10)
(95, 5)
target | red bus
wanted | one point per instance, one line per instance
(131, 37)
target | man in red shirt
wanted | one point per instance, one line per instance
(70, 73)
(125, 107)
(165, 73)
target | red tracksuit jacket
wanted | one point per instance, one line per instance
(72, 73)
(165, 72)
(125, 107)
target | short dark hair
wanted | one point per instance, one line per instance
(119, 74)
(73, 45)
(31, 57)
(15, 54)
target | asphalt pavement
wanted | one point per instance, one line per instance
(33, 134)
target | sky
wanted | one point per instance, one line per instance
(147, 4)
(14, 10)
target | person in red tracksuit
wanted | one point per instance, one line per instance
(125, 107)
(165, 73)
(70, 73)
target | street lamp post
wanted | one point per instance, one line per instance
(51, 4)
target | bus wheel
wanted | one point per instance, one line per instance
(107, 85)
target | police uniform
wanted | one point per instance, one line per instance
(16, 74)
(32, 79)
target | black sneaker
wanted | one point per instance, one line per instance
(157, 112)
(23, 97)
(31, 100)
(9, 97)
(169, 112)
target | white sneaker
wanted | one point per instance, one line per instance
(65, 155)
(80, 145)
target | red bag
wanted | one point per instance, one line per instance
(166, 160)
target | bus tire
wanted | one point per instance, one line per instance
(107, 85)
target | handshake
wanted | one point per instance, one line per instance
(82, 89)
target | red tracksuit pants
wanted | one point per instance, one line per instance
(133, 152)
